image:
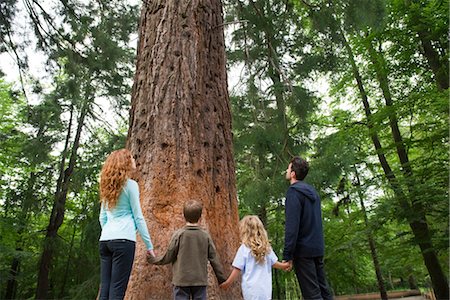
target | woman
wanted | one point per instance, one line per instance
(120, 216)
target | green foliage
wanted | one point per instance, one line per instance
(285, 48)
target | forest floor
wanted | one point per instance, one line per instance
(395, 295)
(411, 298)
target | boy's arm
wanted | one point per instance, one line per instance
(171, 253)
(215, 263)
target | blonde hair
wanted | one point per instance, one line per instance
(115, 172)
(254, 236)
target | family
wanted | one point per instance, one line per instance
(191, 247)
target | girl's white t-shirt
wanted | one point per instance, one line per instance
(256, 277)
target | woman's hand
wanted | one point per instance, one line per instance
(151, 253)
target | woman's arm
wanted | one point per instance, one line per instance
(102, 217)
(141, 225)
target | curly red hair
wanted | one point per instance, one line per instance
(115, 172)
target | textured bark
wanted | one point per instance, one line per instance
(180, 135)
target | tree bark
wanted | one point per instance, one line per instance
(180, 135)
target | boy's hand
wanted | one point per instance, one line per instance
(151, 257)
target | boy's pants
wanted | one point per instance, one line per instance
(311, 277)
(186, 292)
(116, 261)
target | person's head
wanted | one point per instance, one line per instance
(116, 170)
(192, 211)
(254, 236)
(298, 169)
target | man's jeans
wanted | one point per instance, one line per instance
(116, 262)
(311, 277)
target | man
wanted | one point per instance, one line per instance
(304, 243)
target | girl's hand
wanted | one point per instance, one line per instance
(225, 285)
(287, 265)
(151, 253)
(235, 273)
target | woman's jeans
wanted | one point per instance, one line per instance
(116, 261)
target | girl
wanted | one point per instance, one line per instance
(120, 216)
(255, 259)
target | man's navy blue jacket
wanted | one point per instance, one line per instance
(303, 230)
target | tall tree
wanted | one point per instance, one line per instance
(180, 133)
(402, 179)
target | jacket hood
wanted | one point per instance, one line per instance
(306, 190)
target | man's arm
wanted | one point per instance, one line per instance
(292, 212)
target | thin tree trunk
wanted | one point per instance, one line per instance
(27, 198)
(69, 258)
(417, 219)
(415, 214)
(371, 241)
(275, 74)
(440, 72)
(58, 210)
(11, 286)
(180, 135)
(438, 65)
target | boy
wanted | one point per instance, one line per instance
(189, 251)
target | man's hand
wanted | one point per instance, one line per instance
(288, 266)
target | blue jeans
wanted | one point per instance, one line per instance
(311, 278)
(189, 292)
(116, 261)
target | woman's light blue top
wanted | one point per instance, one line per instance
(122, 221)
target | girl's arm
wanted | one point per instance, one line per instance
(282, 265)
(234, 274)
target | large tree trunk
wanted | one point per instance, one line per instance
(180, 134)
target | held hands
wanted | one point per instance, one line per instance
(286, 265)
(151, 253)
(151, 256)
(225, 285)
